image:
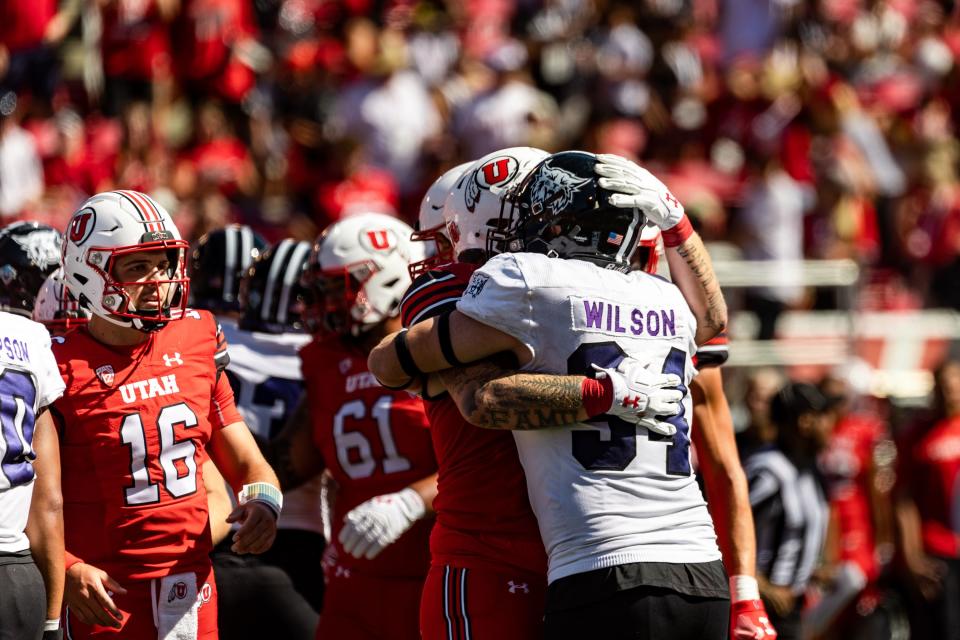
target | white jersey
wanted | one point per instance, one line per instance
(606, 492)
(264, 372)
(29, 381)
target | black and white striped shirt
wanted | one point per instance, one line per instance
(790, 515)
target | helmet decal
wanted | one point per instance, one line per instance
(553, 189)
(42, 247)
(82, 225)
(491, 173)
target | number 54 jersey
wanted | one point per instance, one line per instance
(606, 492)
(134, 425)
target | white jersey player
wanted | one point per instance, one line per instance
(632, 549)
(29, 476)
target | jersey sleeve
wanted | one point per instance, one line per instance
(223, 408)
(50, 383)
(714, 353)
(497, 296)
(431, 294)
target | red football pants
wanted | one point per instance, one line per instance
(139, 609)
(367, 608)
(479, 603)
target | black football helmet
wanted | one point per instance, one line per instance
(560, 210)
(271, 295)
(29, 252)
(217, 264)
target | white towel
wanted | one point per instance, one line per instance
(177, 606)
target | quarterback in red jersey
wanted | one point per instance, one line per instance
(145, 405)
(373, 440)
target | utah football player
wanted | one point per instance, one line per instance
(372, 439)
(145, 403)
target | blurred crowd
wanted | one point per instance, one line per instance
(789, 128)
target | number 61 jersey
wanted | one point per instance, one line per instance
(606, 492)
(134, 424)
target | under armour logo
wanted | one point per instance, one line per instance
(669, 198)
(172, 360)
(633, 402)
(342, 572)
(513, 587)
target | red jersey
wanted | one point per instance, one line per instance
(846, 469)
(373, 441)
(932, 474)
(484, 520)
(135, 422)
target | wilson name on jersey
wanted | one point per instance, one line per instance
(134, 424)
(605, 492)
(29, 381)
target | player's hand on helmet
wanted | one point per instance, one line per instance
(635, 187)
(258, 527)
(378, 522)
(749, 621)
(643, 397)
(88, 590)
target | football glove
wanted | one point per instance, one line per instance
(749, 621)
(635, 187)
(373, 525)
(642, 397)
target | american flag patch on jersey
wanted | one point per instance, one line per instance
(615, 238)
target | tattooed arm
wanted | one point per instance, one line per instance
(692, 271)
(492, 397)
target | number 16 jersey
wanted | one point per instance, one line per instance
(134, 424)
(605, 492)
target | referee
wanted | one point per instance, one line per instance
(790, 509)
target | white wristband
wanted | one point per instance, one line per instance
(262, 492)
(51, 625)
(744, 588)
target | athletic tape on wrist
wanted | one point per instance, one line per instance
(407, 363)
(446, 346)
(744, 588)
(262, 492)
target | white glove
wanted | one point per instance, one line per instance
(641, 396)
(635, 187)
(378, 522)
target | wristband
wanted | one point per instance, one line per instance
(446, 346)
(51, 625)
(407, 363)
(744, 588)
(597, 395)
(262, 492)
(678, 233)
(70, 560)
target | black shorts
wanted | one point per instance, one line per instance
(23, 599)
(650, 600)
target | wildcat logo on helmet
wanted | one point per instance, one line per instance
(495, 172)
(553, 189)
(42, 247)
(82, 225)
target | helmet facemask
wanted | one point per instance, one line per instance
(116, 299)
(442, 253)
(341, 303)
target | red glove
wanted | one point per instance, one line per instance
(749, 621)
